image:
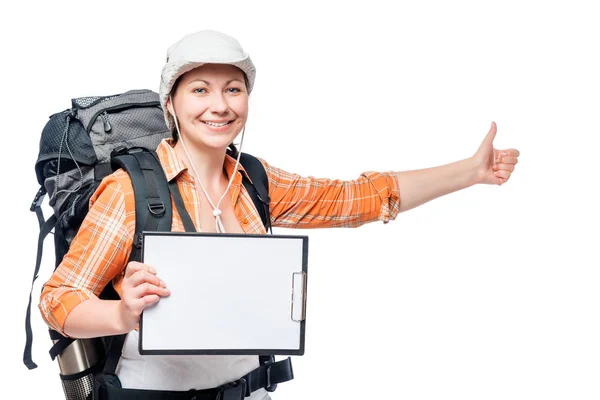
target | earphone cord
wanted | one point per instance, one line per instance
(216, 211)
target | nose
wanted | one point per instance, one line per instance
(219, 104)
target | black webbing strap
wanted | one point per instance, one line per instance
(45, 228)
(157, 196)
(62, 343)
(105, 392)
(113, 353)
(266, 359)
(152, 200)
(36, 205)
(102, 170)
(188, 224)
(55, 335)
(258, 189)
(269, 375)
(262, 360)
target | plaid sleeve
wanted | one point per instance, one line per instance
(308, 202)
(98, 253)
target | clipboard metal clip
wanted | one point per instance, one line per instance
(298, 296)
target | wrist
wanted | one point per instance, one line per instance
(475, 173)
(124, 321)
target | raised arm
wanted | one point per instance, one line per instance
(308, 202)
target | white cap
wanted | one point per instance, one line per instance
(196, 49)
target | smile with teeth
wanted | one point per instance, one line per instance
(216, 124)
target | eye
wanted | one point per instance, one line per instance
(200, 90)
(233, 90)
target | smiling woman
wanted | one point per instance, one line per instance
(204, 91)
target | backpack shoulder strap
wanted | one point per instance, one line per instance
(153, 211)
(259, 188)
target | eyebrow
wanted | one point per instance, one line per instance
(208, 84)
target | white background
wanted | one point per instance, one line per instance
(487, 293)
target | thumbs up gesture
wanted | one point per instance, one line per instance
(494, 166)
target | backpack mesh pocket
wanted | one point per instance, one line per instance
(71, 215)
(64, 136)
(78, 389)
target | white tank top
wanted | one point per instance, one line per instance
(181, 372)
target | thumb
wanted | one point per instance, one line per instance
(489, 138)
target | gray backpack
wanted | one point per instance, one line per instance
(78, 148)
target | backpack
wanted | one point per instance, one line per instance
(78, 148)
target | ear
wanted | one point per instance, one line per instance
(170, 106)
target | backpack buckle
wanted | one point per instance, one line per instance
(157, 209)
(38, 199)
(117, 151)
(270, 387)
(234, 391)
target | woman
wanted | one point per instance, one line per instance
(204, 92)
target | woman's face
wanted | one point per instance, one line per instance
(211, 104)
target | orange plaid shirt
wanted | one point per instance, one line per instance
(100, 251)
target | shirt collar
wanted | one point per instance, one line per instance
(173, 165)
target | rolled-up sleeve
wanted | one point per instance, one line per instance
(98, 253)
(308, 202)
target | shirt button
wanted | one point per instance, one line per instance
(245, 221)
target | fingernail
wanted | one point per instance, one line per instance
(163, 284)
(152, 270)
(167, 291)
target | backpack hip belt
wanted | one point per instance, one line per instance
(267, 376)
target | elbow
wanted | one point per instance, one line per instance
(45, 306)
(57, 302)
(386, 194)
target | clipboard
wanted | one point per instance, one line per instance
(231, 294)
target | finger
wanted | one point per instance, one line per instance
(504, 167)
(135, 266)
(146, 289)
(502, 174)
(138, 305)
(508, 160)
(150, 299)
(510, 152)
(144, 276)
